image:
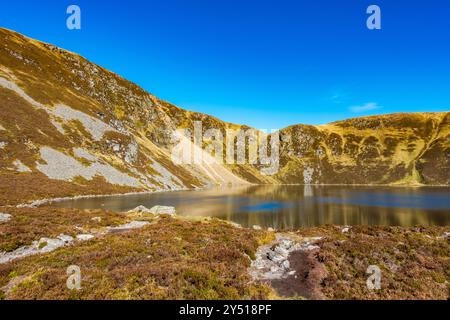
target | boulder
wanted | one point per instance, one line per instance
(85, 237)
(140, 209)
(163, 210)
(155, 210)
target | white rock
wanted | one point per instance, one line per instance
(20, 167)
(4, 217)
(281, 251)
(272, 260)
(270, 229)
(84, 237)
(255, 227)
(141, 208)
(96, 219)
(128, 226)
(345, 230)
(163, 210)
(286, 264)
(116, 147)
(236, 225)
(44, 245)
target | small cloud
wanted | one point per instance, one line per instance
(365, 107)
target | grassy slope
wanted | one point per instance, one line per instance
(408, 149)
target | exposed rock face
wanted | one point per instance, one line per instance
(410, 148)
(71, 127)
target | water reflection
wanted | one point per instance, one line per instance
(288, 207)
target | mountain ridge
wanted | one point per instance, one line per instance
(100, 133)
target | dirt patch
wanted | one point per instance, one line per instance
(308, 277)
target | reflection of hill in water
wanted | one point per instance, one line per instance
(290, 207)
(308, 210)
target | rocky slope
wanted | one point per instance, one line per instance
(70, 127)
(408, 148)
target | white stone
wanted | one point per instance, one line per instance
(141, 209)
(96, 219)
(4, 217)
(128, 226)
(20, 167)
(255, 227)
(345, 230)
(44, 245)
(272, 260)
(286, 264)
(163, 210)
(84, 237)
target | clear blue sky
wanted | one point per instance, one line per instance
(268, 64)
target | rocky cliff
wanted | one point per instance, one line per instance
(69, 127)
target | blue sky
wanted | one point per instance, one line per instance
(268, 64)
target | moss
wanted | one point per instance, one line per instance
(42, 245)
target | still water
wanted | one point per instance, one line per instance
(287, 206)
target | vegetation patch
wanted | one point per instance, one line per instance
(414, 262)
(171, 259)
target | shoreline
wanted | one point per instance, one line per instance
(40, 202)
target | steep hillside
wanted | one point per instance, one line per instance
(409, 148)
(69, 127)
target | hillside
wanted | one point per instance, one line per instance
(408, 148)
(69, 127)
